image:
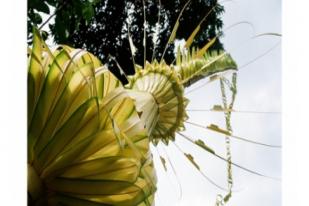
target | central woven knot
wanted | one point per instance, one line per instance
(164, 85)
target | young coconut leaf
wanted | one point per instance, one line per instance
(72, 142)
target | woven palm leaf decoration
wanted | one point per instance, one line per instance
(89, 136)
(81, 128)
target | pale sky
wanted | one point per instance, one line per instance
(259, 89)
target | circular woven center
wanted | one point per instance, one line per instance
(164, 85)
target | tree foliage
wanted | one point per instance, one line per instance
(102, 27)
(67, 12)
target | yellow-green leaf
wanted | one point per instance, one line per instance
(219, 108)
(204, 146)
(163, 163)
(192, 36)
(191, 159)
(215, 128)
(173, 34)
(202, 51)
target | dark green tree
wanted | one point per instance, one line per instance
(101, 27)
(66, 10)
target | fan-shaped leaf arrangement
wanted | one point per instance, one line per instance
(89, 136)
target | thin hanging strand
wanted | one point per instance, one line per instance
(199, 87)
(237, 137)
(173, 33)
(50, 17)
(244, 65)
(227, 114)
(233, 163)
(174, 171)
(155, 43)
(202, 173)
(145, 35)
(226, 29)
(192, 36)
(132, 47)
(234, 111)
(223, 54)
(197, 28)
(260, 56)
(111, 57)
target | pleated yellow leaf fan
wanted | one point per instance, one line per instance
(79, 116)
(88, 136)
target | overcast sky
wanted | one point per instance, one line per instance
(259, 89)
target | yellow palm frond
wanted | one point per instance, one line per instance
(79, 118)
